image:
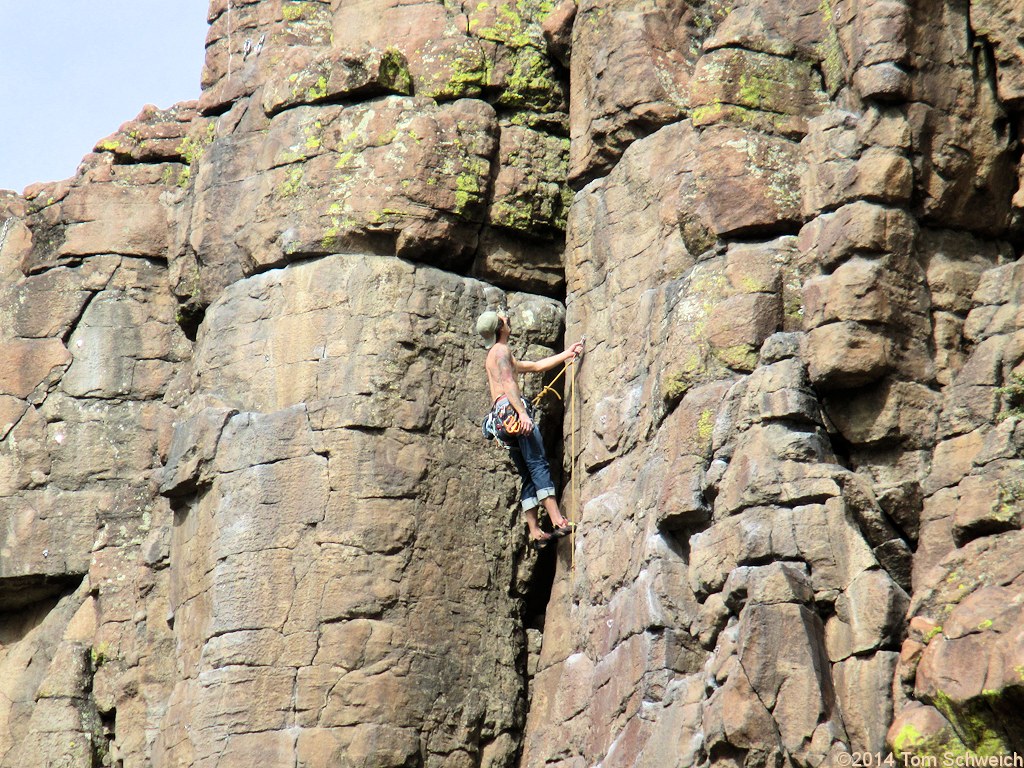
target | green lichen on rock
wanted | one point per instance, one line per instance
(910, 743)
(313, 139)
(194, 146)
(394, 72)
(755, 119)
(1010, 494)
(337, 75)
(739, 357)
(458, 70)
(707, 14)
(907, 740)
(513, 23)
(383, 139)
(341, 222)
(696, 236)
(831, 51)
(566, 195)
(504, 53)
(975, 723)
(777, 84)
(706, 425)
(678, 382)
(293, 181)
(531, 193)
(467, 191)
(793, 302)
(1012, 397)
(674, 386)
(532, 83)
(318, 90)
(296, 10)
(188, 290)
(100, 654)
(511, 216)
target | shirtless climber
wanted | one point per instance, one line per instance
(511, 421)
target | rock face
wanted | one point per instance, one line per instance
(249, 515)
(316, 615)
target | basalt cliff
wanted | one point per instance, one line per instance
(248, 516)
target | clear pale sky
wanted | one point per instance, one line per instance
(71, 71)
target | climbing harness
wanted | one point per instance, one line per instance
(503, 422)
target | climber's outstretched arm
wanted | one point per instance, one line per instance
(539, 366)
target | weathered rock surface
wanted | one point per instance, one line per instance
(248, 514)
(316, 598)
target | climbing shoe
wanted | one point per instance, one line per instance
(563, 531)
(540, 544)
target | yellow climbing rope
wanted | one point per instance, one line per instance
(550, 387)
(573, 479)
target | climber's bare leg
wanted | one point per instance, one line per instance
(554, 513)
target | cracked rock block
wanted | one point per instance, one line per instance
(30, 363)
(879, 49)
(774, 94)
(864, 693)
(892, 411)
(127, 342)
(751, 181)
(340, 75)
(780, 649)
(869, 616)
(154, 135)
(855, 157)
(49, 533)
(107, 209)
(994, 21)
(860, 228)
(402, 175)
(955, 102)
(989, 503)
(847, 354)
(613, 43)
(250, 42)
(963, 658)
(530, 194)
(493, 49)
(317, 562)
(738, 326)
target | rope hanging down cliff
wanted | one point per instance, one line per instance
(574, 490)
